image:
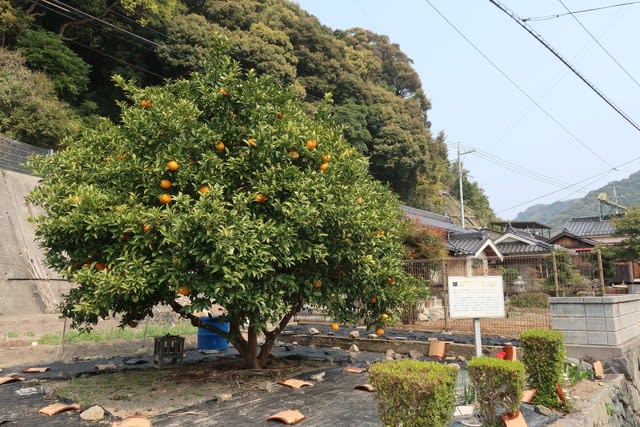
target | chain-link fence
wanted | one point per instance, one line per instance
(528, 281)
(13, 154)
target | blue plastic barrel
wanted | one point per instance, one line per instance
(208, 340)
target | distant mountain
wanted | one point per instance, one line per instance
(625, 192)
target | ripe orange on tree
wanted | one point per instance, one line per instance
(147, 228)
(165, 198)
(204, 189)
(312, 144)
(324, 167)
(379, 332)
(294, 155)
(184, 290)
(172, 165)
(373, 300)
(219, 146)
(165, 184)
(260, 198)
(251, 142)
(334, 326)
(326, 158)
(146, 104)
(317, 284)
(100, 266)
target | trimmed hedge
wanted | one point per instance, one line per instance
(499, 384)
(412, 393)
(543, 356)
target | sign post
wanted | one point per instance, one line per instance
(475, 297)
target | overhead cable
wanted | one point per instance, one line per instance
(601, 46)
(575, 12)
(539, 38)
(536, 103)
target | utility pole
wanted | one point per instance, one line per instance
(460, 181)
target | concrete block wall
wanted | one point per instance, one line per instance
(600, 321)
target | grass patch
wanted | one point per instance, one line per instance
(127, 334)
(12, 335)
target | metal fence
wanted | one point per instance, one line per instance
(13, 154)
(528, 281)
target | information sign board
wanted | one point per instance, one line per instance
(475, 297)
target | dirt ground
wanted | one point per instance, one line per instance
(148, 391)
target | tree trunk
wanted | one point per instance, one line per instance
(248, 348)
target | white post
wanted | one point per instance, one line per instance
(477, 337)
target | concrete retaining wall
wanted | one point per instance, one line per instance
(599, 327)
(27, 286)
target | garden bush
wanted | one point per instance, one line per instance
(543, 357)
(499, 384)
(529, 300)
(412, 393)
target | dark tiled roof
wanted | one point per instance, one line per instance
(515, 248)
(431, 219)
(590, 226)
(565, 233)
(467, 243)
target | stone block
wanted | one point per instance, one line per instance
(572, 309)
(596, 324)
(569, 323)
(594, 310)
(575, 337)
(597, 338)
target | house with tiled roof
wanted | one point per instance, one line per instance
(597, 228)
(518, 242)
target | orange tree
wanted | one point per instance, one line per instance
(219, 189)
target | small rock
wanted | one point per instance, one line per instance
(390, 353)
(397, 356)
(223, 397)
(314, 331)
(294, 342)
(317, 377)
(361, 327)
(336, 348)
(354, 348)
(354, 334)
(461, 358)
(543, 410)
(415, 354)
(95, 413)
(372, 336)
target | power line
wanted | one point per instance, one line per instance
(68, 8)
(593, 177)
(565, 62)
(575, 12)
(540, 107)
(600, 44)
(559, 77)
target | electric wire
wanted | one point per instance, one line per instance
(601, 46)
(575, 12)
(596, 176)
(536, 103)
(542, 41)
(558, 78)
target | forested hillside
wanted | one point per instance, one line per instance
(58, 58)
(625, 192)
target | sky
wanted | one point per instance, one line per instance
(533, 132)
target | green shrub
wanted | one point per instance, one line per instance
(543, 357)
(412, 393)
(529, 300)
(499, 384)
